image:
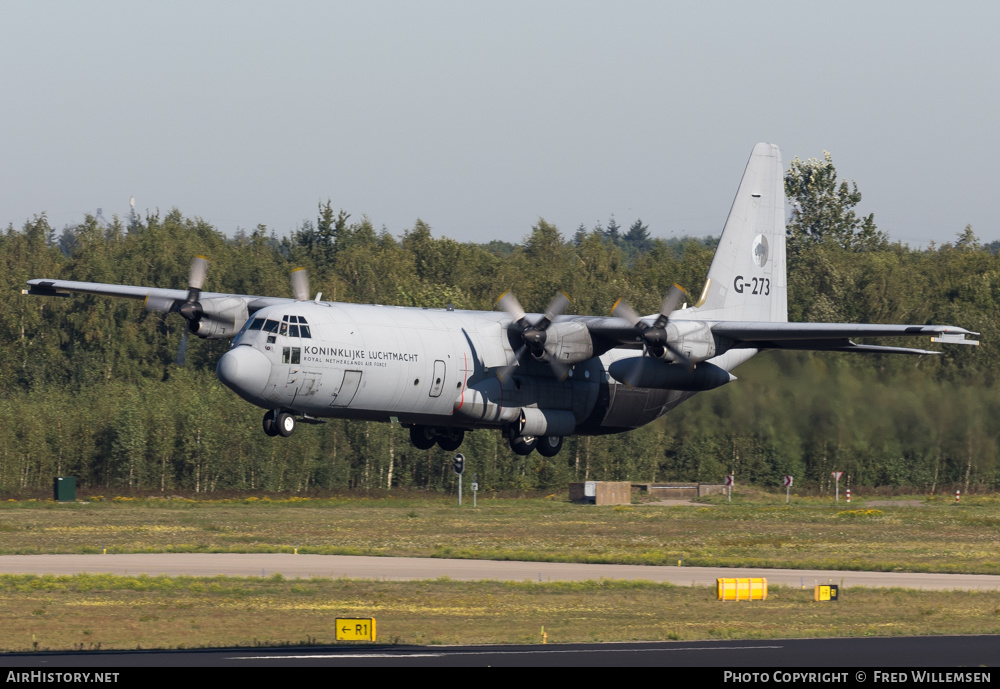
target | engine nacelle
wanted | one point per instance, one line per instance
(567, 343)
(219, 319)
(694, 339)
(484, 402)
(539, 422)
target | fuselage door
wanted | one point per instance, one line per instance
(437, 381)
(348, 389)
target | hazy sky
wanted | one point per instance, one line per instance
(481, 117)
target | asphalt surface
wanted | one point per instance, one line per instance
(838, 660)
(403, 568)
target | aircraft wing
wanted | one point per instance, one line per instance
(836, 337)
(609, 333)
(149, 295)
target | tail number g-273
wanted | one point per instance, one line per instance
(761, 286)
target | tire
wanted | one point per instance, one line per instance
(450, 443)
(421, 437)
(523, 445)
(286, 424)
(549, 445)
(270, 428)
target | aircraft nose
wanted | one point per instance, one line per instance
(245, 370)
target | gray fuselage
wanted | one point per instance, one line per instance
(422, 366)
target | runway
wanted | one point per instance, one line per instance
(404, 568)
(839, 659)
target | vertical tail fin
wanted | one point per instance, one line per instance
(747, 279)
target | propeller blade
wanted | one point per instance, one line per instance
(555, 308)
(182, 349)
(300, 284)
(559, 369)
(673, 299)
(670, 303)
(509, 303)
(508, 370)
(196, 279)
(678, 355)
(621, 309)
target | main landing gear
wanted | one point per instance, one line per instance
(425, 437)
(547, 445)
(279, 422)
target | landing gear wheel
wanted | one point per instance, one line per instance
(286, 423)
(450, 443)
(421, 437)
(523, 445)
(270, 427)
(549, 445)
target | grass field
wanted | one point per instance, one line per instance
(755, 531)
(108, 612)
(104, 611)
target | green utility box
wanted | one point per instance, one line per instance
(64, 488)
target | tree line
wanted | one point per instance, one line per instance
(91, 388)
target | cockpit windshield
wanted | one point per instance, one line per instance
(296, 326)
(289, 326)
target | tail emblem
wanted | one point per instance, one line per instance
(760, 250)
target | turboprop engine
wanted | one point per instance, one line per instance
(692, 339)
(559, 344)
(216, 319)
(567, 343)
(680, 341)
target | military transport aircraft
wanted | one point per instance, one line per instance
(538, 377)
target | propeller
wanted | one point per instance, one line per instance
(218, 317)
(532, 334)
(300, 284)
(190, 309)
(655, 335)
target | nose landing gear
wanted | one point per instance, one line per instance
(279, 422)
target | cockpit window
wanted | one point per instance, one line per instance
(257, 324)
(291, 325)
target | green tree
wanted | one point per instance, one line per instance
(823, 210)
